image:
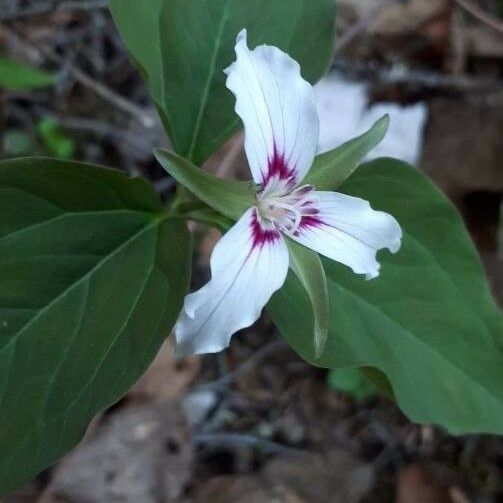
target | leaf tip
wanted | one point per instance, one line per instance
(383, 123)
(320, 341)
(160, 153)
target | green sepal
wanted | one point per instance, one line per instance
(332, 168)
(307, 266)
(202, 213)
(229, 197)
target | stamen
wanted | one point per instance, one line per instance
(303, 190)
(285, 210)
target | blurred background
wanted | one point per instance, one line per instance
(256, 424)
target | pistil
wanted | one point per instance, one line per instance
(286, 211)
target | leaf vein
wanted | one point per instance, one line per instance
(207, 85)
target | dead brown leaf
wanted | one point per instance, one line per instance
(406, 17)
(142, 454)
(416, 484)
(167, 378)
(336, 477)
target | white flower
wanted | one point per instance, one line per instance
(250, 262)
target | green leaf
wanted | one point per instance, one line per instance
(16, 76)
(183, 47)
(93, 277)
(202, 213)
(229, 197)
(308, 268)
(353, 382)
(55, 141)
(428, 322)
(379, 380)
(332, 168)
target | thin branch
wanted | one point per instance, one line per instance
(102, 128)
(258, 357)
(109, 95)
(243, 440)
(359, 26)
(49, 8)
(146, 119)
(402, 74)
(481, 15)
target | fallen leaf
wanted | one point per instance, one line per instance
(141, 454)
(167, 378)
(416, 484)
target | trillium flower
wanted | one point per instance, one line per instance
(250, 262)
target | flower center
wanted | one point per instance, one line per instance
(286, 211)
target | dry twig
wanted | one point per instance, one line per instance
(402, 74)
(359, 26)
(83, 78)
(481, 15)
(258, 357)
(244, 440)
(102, 128)
(49, 7)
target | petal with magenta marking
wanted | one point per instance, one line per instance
(248, 265)
(346, 229)
(278, 110)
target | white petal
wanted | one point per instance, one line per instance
(248, 265)
(278, 109)
(348, 230)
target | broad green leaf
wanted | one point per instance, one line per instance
(428, 322)
(307, 266)
(16, 76)
(183, 47)
(229, 197)
(353, 382)
(332, 168)
(93, 277)
(379, 380)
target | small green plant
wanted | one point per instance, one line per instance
(19, 77)
(54, 140)
(352, 382)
